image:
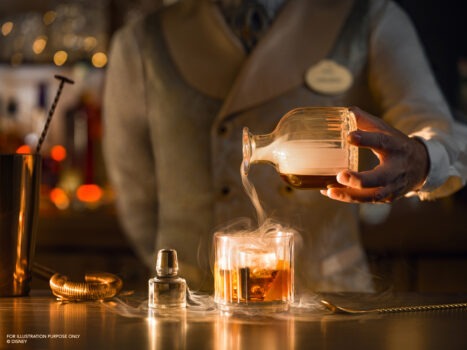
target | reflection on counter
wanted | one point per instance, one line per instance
(236, 335)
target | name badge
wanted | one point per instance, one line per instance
(328, 77)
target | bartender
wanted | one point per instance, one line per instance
(183, 82)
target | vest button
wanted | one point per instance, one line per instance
(225, 191)
(222, 130)
(286, 190)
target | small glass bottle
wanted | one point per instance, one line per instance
(308, 146)
(167, 289)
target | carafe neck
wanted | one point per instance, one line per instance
(255, 149)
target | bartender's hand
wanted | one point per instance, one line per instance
(403, 164)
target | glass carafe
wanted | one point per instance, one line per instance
(308, 146)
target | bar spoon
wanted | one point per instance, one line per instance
(337, 309)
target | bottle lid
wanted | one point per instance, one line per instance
(167, 263)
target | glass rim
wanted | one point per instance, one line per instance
(255, 234)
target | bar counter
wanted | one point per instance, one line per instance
(39, 321)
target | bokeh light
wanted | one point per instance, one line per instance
(99, 59)
(89, 43)
(23, 149)
(7, 27)
(58, 153)
(59, 198)
(49, 17)
(39, 44)
(89, 193)
(60, 58)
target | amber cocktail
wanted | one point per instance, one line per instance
(253, 271)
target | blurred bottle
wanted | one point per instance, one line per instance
(83, 132)
(10, 129)
(83, 176)
(38, 117)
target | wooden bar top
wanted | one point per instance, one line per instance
(39, 321)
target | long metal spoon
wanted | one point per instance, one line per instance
(63, 80)
(337, 309)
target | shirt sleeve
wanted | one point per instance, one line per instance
(127, 147)
(405, 88)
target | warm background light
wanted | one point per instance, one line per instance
(7, 27)
(24, 149)
(39, 44)
(89, 43)
(60, 58)
(99, 59)
(49, 17)
(89, 193)
(59, 198)
(58, 153)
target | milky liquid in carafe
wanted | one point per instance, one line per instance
(301, 163)
(310, 165)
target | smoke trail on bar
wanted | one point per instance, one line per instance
(201, 308)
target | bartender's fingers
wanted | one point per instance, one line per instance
(375, 194)
(377, 177)
(368, 122)
(365, 195)
(353, 195)
(379, 142)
